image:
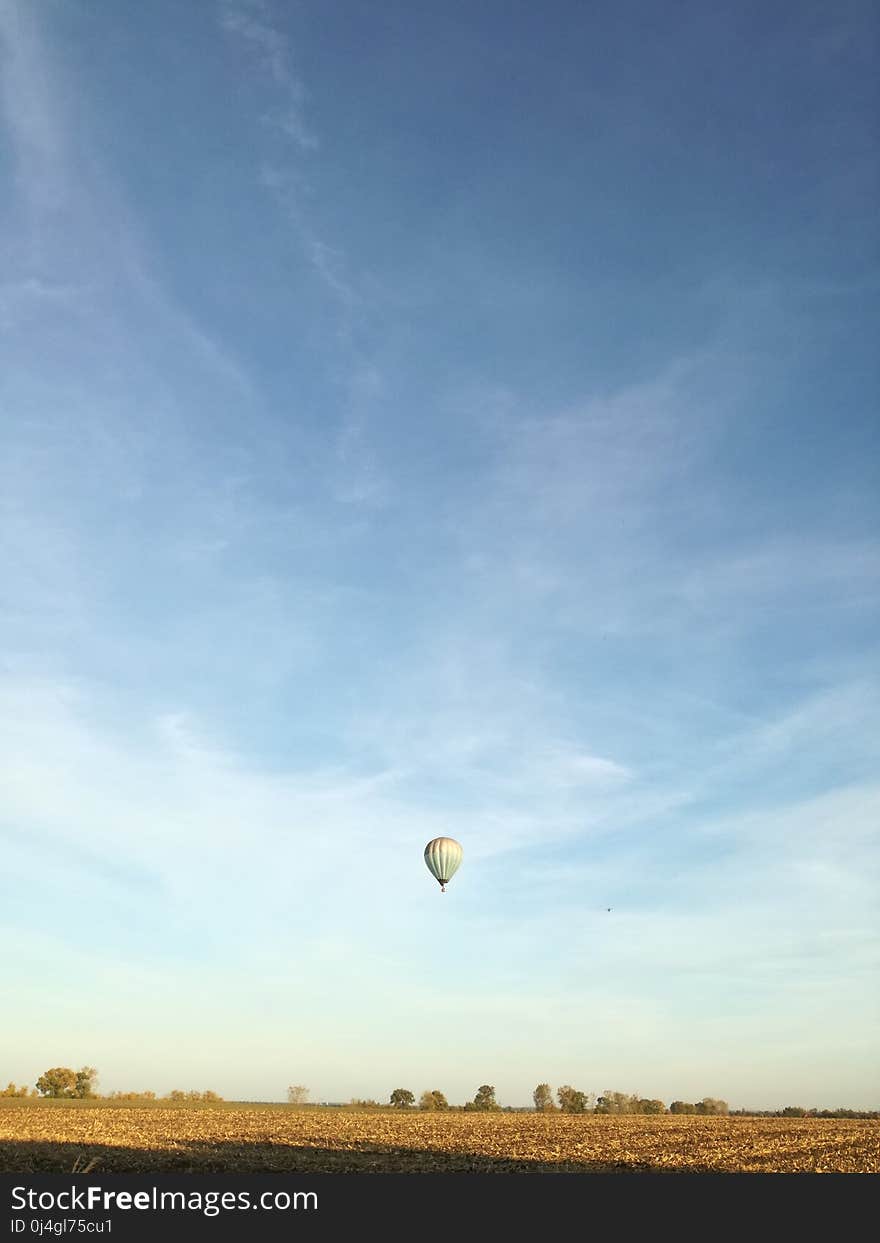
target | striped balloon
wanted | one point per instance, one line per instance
(443, 855)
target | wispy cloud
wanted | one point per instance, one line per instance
(251, 22)
(328, 261)
(356, 476)
(613, 516)
(27, 89)
(30, 298)
(81, 248)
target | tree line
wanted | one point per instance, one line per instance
(484, 1101)
(430, 1099)
(567, 1100)
(64, 1083)
(570, 1100)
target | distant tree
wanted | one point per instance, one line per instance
(211, 1096)
(543, 1098)
(571, 1101)
(357, 1103)
(176, 1095)
(12, 1090)
(709, 1105)
(86, 1081)
(297, 1094)
(610, 1102)
(682, 1107)
(617, 1103)
(646, 1106)
(433, 1101)
(59, 1081)
(485, 1098)
(402, 1098)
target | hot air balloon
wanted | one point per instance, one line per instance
(443, 856)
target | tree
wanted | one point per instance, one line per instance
(485, 1098)
(86, 1079)
(433, 1100)
(12, 1090)
(176, 1095)
(297, 1094)
(651, 1106)
(59, 1081)
(709, 1105)
(543, 1098)
(682, 1107)
(571, 1101)
(402, 1098)
(617, 1103)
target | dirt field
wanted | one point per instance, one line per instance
(283, 1140)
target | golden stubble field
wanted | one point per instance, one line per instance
(314, 1141)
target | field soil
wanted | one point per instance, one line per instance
(248, 1139)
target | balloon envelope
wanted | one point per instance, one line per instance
(443, 855)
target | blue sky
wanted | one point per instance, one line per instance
(441, 419)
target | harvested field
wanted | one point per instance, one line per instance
(242, 1139)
